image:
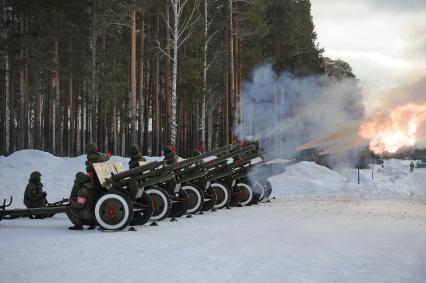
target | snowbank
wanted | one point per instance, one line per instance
(304, 179)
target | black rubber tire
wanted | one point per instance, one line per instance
(113, 211)
(180, 201)
(246, 194)
(143, 214)
(161, 203)
(258, 192)
(210, 198)
(267, 187)
(195, 198)
(235, 196)
(223, 194)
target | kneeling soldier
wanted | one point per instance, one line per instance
(135, 156)
(82, 203)
(34, 196)
(94, 156)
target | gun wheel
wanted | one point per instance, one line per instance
(161, 203)
(210, 198)
(222, 193)
(195, 198)
(180, 201)
(267, 187)
(246, 193)
(142, 210)
(236, 195)
(113, 211)
(258, 192)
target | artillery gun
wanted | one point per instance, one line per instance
(122, 200)
(188, 191)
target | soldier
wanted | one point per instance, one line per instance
(94, 156)
(412, 166)
(135, 156)
(34, 196)
(170, 154)
(82, 202)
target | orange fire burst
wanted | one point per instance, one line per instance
(389, 132)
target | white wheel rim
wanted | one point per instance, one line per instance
(98, 216)
(225, 191)
(163, 197)
(250, 192)
(262, 194)
(197, 206)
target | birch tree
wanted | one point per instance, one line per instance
(181, 31)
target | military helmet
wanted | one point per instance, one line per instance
(91, 147)
(35, 173)
(133, 149)
(35, 177)
(82, 178)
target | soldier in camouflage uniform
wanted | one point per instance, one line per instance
(170, 155)
(94, 156)
(34, 196)
(82, 203)
(135, 156)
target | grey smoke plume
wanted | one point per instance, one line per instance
(284, 112)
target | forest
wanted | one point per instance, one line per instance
(146, 72)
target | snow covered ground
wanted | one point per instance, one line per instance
(321, 227)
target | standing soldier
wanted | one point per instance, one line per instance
(94, 156)
(135, 156)
(34, 196)
(82, 203)
(170, 154)
(412, 166)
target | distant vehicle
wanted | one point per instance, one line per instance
(421, 163)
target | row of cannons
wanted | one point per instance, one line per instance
(233, 176)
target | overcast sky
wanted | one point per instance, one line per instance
(383, 40)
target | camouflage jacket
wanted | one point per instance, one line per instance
(34, 196)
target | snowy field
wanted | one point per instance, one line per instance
(321, 227)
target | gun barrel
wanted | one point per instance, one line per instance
(232, 154)
(137, 171)
(192, 160)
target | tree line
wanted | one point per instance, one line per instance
(146, 72)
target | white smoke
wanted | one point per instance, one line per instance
(283, 111)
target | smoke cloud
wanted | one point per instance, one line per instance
(284, 112)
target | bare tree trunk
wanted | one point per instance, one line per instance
(78, 125)
(92, 120)
(114, 125)
(141, 82)
(232, 71)
(156, 114)
(37, 114)
(59, 135)
(206, 45)
(167, 78)
(176, 17)
(71, 132)
(133, 121)
(22, 88)
(6, 104)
